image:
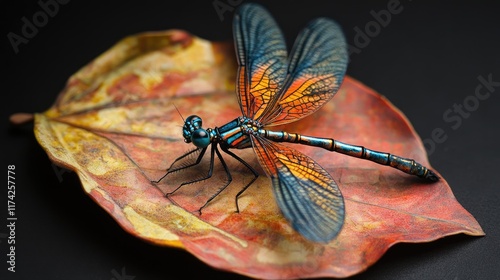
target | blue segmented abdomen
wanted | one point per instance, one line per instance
(406, 165)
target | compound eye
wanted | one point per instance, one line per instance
(200, 138)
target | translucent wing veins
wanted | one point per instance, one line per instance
(306, 194)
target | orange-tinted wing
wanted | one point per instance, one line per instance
(316, 69)
(306, 194)
(261, 54)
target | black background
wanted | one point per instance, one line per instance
(425, 60)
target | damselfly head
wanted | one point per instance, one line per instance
(194, 133)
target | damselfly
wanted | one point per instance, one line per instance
(274, 89)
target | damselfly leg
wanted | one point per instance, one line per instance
(179, 165)
(255, 175)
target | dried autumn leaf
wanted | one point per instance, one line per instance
(115, 124)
